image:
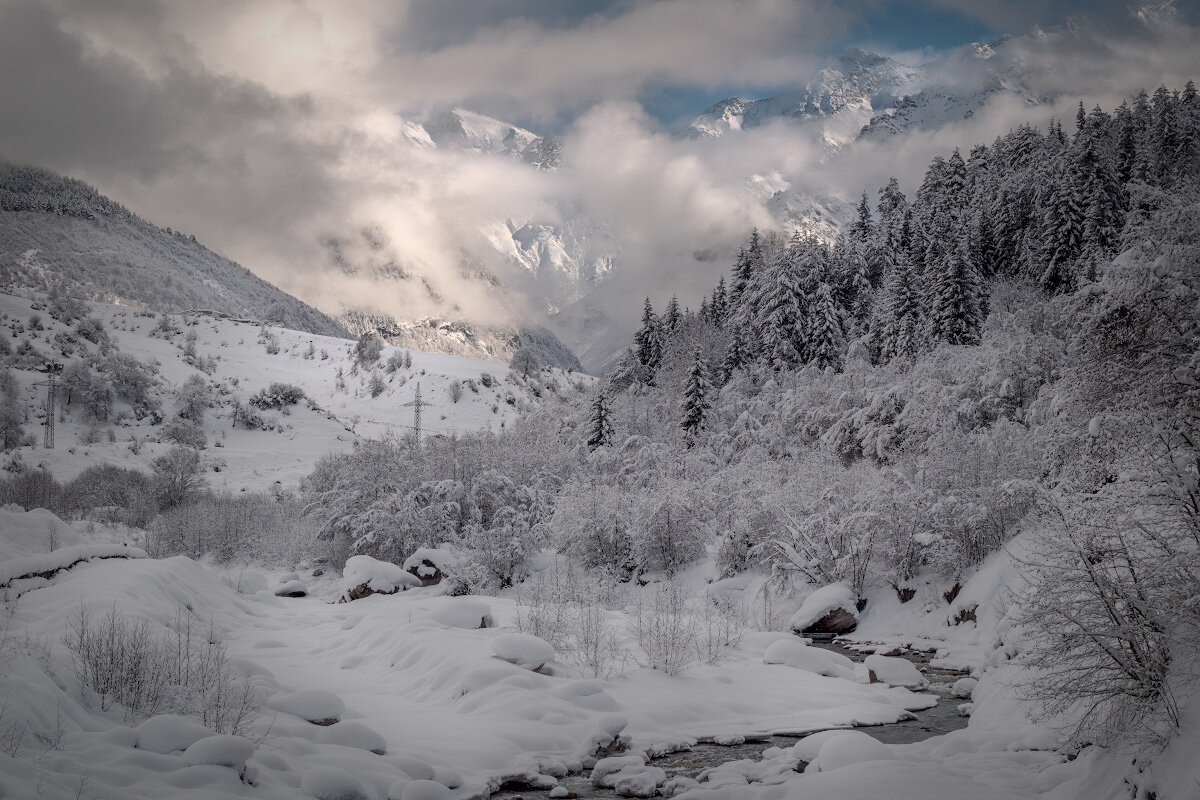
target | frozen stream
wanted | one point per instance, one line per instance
(942, 718)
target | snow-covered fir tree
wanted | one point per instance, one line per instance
(697, 399)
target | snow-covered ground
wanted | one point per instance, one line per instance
(340, 409)
(425, 703)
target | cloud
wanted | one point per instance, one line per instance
(271, 130)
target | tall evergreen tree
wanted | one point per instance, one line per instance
(736, 355)
(826, 339)
(671, 317)
(648, 342)
(600, 427)
(899, 320)
(718, 306)
(956, 303)
(782, 308)
(697, 400)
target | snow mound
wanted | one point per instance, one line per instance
(821, 602)
(356, 735)
(332, 783)
(895, 671)
(628, 776)
(292, 588)
(380, 577)
(523, 650)
(851, 747)
(43, 565)
(425, 790)
(963, 687)
(795, 653)
(463, 612)
(315, 705)
(223, 751)
(167, 733)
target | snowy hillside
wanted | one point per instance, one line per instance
(246, 447)
(57, 231)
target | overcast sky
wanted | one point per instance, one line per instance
(265, 127)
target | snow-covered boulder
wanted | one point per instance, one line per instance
(356, 735)
(291, 588)
(463, 612)
(167, 733)
(523, 650)
(629, 776)
(852, 747)
(605, 739)
(795, 653)
(315, 705)
(895, 672)
(963, 687)
(332, 783)
(431, 565)
(223, 751)
(364, 576)
(832, 609)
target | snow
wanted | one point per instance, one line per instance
(379, 576)
(963, 687)
(852, 747)
(821, 602)
(354, 734)
(332, 783)
(314, 705)
(895, 671)
(239, 459)
(426, 790)
(462, 612)
(291, 588)
(442, 708)
(167, 733)
(523, 650)
(223, 751)
(794, 652)
(442, 558)
(62, 558)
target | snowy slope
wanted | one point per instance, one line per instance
(56, 230)
(339, 411)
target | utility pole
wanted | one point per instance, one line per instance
(52, 370)
(417, 404)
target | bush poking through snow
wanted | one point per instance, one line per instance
(122, 661)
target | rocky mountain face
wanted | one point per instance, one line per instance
(835, 104)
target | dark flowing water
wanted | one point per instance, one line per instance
(942, 718)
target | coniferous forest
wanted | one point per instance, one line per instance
(1011, 345)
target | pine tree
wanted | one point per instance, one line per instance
(600, 427)
(826, 340)
(648, 342)
(900, 317)
(862, 228)
(1062, 232)
(736, 356)
(697, 400)
(956, 300)
(670, 319)
(782, 309)
(718, 306)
